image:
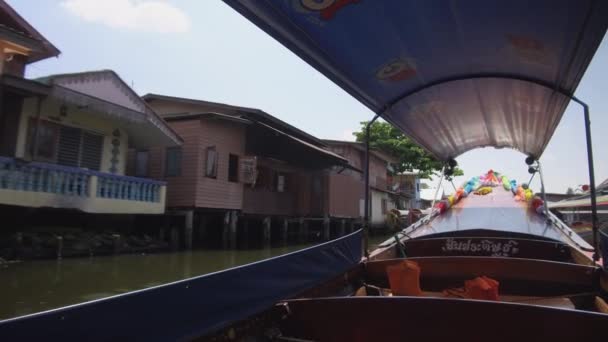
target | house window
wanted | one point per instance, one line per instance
(383, 205)
(90, 150)
(211, 162)
(280, 182)
(233, 168)
(69, 146)
(48, 134)
(66, 145)
(173, 165)
(141, 163)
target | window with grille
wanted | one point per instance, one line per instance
(90, 151)
(66, 145)
(48, 134)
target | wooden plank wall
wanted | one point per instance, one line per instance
(228, 138)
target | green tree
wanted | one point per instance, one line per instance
(385, 137)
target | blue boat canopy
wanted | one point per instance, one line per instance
(452, 75)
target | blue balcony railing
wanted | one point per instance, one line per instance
(42, 177)
(71, 181)
(128, 188)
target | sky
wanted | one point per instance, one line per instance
(205, 50)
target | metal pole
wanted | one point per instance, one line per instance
(437, 191)
(531, 178)
(542, 189)
(366, 217)
(591, 181)
(453, 186)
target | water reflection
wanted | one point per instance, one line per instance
(35, 286)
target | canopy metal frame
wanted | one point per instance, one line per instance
(553, 87)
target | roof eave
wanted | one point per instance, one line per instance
(243, 110)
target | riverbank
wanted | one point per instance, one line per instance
(60, 243)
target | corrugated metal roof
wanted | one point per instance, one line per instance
(245, 111)
(307, 144)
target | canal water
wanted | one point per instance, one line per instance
(34, 286)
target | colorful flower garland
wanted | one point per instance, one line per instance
(482, 185)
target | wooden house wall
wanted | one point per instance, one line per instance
(228, 138)
(345, 193)
(16, 66)
(263, 199)
(181, 190)
(377, 172)
(299, 199)
(304, 193)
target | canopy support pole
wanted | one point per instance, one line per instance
(542, 189)
(366, 217)
(596, 254)
(437, 191)
(531, 178)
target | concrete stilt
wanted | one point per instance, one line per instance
(202, 228)
(285, 232)
(161, 233)
(266, 231)
(59, 246)
(302, 230)
(342, 227)
(233, 232)
(226, 231)
(326, 228)
(188, 228)
(19, 239)
(116, 241)
(174, 238)
(245, 233)
(351, 226)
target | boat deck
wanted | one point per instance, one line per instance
(496, 211)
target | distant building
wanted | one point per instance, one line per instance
(64, 138)
(347, 188)
(240, 171)
(406, 186)
(428, 195)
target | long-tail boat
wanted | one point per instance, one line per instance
(453, 76)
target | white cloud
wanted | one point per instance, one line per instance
(140, 15)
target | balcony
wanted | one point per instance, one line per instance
(39, 185)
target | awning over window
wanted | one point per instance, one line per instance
(270, 142)
(452, 75)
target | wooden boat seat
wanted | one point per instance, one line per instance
(554, 302)
(375, 318)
